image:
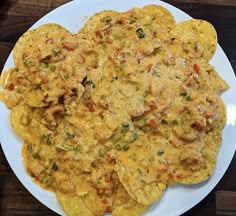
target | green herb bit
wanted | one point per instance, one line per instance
(44, 65)
(30, 147)
(151, 159)
(53, 68)
(54, 166)
(115, 77)
(125, 126)
(101, 153)
(160, 152)
(133, 157)
(125, 147)
(175, 122)
(132, 19)
(146, 93)
(36, 156)
(155, 73)
(70, 136)
(106, 20)
(85, 195)
(47, 138)
(140, 33)
(76, 157)
(65, 147)
(139, 170)
(29, 63)
(69, 110)
(78, 148)
(188, 98)
(135, 136)
(56, 51)
(104, 46)
(90, 83)
(164, 122)
(118, 147)
(184, 94)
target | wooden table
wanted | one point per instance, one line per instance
(17, 16)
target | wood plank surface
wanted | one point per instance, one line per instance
(16, 16)
(212, 2)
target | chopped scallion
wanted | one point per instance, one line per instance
(160, 152)
(164, 122)
(140, 33)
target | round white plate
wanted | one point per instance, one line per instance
(177, 199)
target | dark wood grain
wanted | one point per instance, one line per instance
(16, 16)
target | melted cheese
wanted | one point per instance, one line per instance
(121, 102)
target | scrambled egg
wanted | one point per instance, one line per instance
(114, 114)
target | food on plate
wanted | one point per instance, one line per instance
(114, 114)
(200, 35)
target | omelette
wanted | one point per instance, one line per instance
(114, 114)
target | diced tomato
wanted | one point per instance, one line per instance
(100, 191)
(153, 123)
(152, 105)
(91, 107)
(196, 68)
(123, 61)
(11, 86)
(108, 209)
(104, 201)
(107, 179)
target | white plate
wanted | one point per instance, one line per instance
(177, 199)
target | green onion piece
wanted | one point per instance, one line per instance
(70, 136)
(78, 148)
(90, 83)
(125, 126)
(125, 147)
(135, 136)
(104, 46)
(44, 65)
(132, 19)
(56, 51)
(53, 68)
(48, 181)
(77, 157)
(140, 33)
(29, 63)
(101, 153)
(115, 77)
(54, 166)
(36, 156)
(118, 147)
(139, 170)
(184, 94)
(106, 20)
(188, 98)
(30, 147)
(65, 147)
(175, 122)
(164, 122)
(46, 138)
(160, 152)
